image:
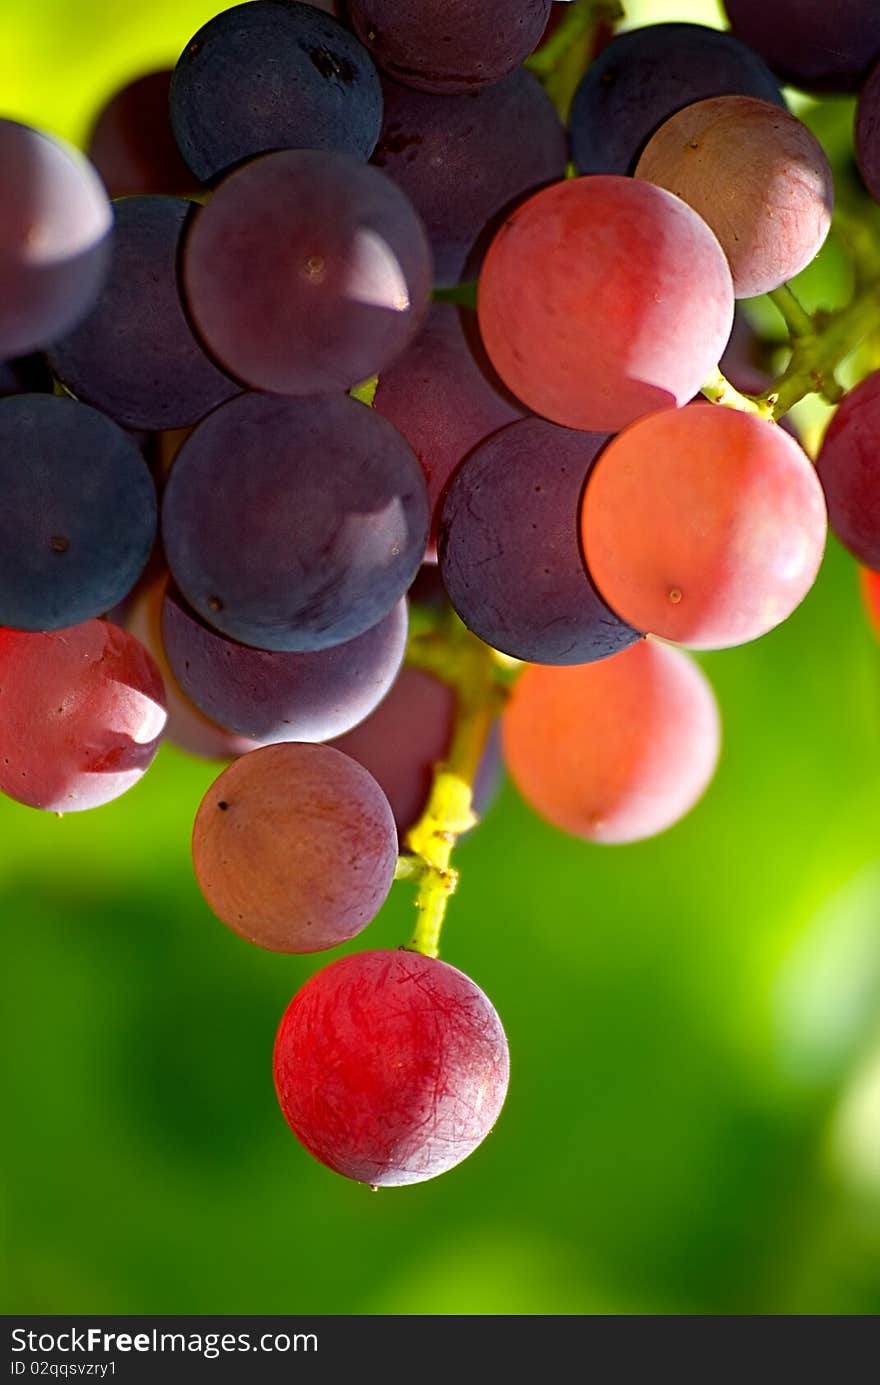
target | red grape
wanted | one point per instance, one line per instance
(295, 847)
(603, 299)
(704, 525)
(617, 750)
(847, 468)
(390, 1067)
(81, 714)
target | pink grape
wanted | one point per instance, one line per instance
(81, 714)
(603, 299)
(617, 750)
(704, 525)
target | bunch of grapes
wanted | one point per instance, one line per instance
(362, 433)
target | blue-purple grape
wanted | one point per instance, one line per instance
(645, 76)
(135, 355)
(272, 74)
(820, 45)
(509, 547)
(867, 135)
(78, 518)
(464, 161)
(307, 272)
(271, 696)
(294, 524)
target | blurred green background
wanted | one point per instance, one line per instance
(693, 1123)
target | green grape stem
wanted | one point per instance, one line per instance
(450, 653)
(560, 63)
(820, 343)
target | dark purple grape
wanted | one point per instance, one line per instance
(132, 146)
(55, 232)
(25, 375)
(307, 272)
(464, 161)
(294, 524)
(847, 468)
(449, 47)
(404, 740)
(78, 518)
(272, 74)
(868, 133)
(510, 555)
(645, 76)
(271, 696)
(444, 397)
(820, 45)
(135, 355)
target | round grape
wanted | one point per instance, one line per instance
(131, 143)
(79, 512)
(450, 47)
(81, 714)
(272, 74)
(603, 299)
(613, 751)
(847, 468)
(272, 696)
(390, 1067)
(704, 525)
(756, 175)
(820, 45)
(54, 238)
(294, 847)
(294, 524)
(307, 272)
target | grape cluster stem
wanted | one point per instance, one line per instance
(448, 651)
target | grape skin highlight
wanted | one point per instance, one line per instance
(390, 1067)
(704, 525)
(510, 553)
(307, 272)
(294, 847)
(450, 47)
(135, 355)
(294, 524)
(756, 175)
(272, 74)
(602, 299)
(272, 696)
(81, 714)
(614, 751)
(644, 76)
